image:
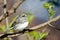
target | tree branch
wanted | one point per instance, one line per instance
(14, 34)
(46, 23)
(12, 10)
(30, 29)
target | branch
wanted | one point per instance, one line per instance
(30, 29)
(14, 34)
(12, 10)
(46, 23)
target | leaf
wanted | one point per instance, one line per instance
(52, 13)
(43, 35)
(50, 8)
(3, 28)
(30, 17)
(35, 34)
(38, 35)
(48, 5)
(4, 39)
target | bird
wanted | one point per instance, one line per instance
(20, 24)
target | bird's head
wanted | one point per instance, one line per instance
(22, 18)
(25, 17)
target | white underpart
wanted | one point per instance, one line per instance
(22, 26)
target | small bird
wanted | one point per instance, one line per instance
(21, 23)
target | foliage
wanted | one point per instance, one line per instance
(10, 24)
(30, 16)
(2, 28)
(37, 35)
(43, 36)
(48, 5)
(50, 8)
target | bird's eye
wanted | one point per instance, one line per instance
(23, 16)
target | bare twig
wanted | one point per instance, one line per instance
(13, 34)
(11, 11)
(46, 23)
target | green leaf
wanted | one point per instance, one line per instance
(52, 13)
(50, 8)
(3, 28)
(48, 5)
(30, 16)
(43, 35)
(35, 34)
(38, 35)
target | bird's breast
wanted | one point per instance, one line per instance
(22, 26)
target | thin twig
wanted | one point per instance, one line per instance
(12, 10)
(14, 34)
(46, 23)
